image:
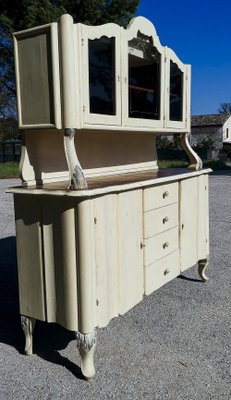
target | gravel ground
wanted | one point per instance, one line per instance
(174, 345)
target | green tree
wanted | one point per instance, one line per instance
(18, 15)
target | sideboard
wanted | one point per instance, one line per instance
(98, 223)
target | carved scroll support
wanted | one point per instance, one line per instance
(28, 324)
(202, 265)
(86, 343)
(195, 161)
(77, 179)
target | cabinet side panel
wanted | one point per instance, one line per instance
(188, 222)
(29, 256)
(201, 229)
(203, 250)
(59, 244)
(106, 259)
(35, 78)
(130, 254)
(207, 212)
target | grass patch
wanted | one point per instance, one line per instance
(9, 170)
(172, 164)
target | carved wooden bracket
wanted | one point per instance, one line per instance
(77, 178)
(195, 161)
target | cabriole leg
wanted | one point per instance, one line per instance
(202, 265)
(28, 327)
(86, 343)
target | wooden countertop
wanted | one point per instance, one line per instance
(106, 184)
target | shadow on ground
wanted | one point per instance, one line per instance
(48, 338)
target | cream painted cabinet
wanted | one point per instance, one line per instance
(161, 235)
(194, 221)
(85, 257)
(98, 223)
(105, 76)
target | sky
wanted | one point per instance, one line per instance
(199, 32)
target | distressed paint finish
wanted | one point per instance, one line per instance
(97, 224)
(189, 222)
(130, 255)
(93, 258)
(30, 256)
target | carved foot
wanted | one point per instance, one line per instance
(28, 327)
(202, 265)
(86, 343)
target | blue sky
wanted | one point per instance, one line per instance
(200, 34)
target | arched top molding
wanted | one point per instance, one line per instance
(144, 27)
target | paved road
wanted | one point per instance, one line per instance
(176, 344)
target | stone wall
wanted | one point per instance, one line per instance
(207, 136)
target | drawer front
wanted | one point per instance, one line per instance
(161, 272)
(160, 220)
(160, 196)
(161, 245)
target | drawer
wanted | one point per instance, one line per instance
(160, 196)
(161, 245)
(161, 272)
(160, 220)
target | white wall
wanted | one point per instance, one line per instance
(227, 131)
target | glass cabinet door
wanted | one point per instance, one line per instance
(101, 75)
(176, 89)
(143, 86)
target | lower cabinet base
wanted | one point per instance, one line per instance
(86, 342)
(83, 261)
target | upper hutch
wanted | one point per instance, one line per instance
(98, 224)
(103, 79)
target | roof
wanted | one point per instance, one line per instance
(211, 119)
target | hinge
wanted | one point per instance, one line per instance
(82, 42)
(95, 220)
(165, 59)
(142, 245)
(84, 108)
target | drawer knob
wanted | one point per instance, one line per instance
(165, 245)
(165, 194)
(166, 271)
(165, 219)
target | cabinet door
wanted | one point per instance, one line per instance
(194, 227)
(118, 254)
(188, 222)
(177, 88)
(143, 75)
(101, 74)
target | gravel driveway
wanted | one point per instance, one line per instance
(175, 344)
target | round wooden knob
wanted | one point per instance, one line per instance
(165, 245)
(165, 194)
